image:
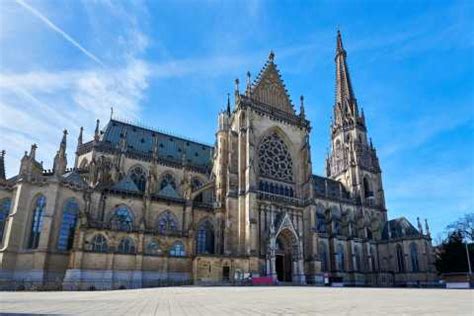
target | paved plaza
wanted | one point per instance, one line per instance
(243, 301)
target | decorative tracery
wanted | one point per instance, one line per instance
(138, 175)
(274, 159)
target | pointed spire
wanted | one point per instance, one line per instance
(228, 104)
(2, 165)
(427, 228)
(302, 114)
(62, 146)
(96, 132)
(33, 151)
(271, 56)
(111, 112)
(236, 90)
(79, 138)
(249, 84)
(420, 228)
(345, 105)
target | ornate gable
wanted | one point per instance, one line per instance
(269, 88)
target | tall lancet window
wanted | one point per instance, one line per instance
(205, 238)
(5, 206)
(68, 224)
(415, 267)
(36, 222)
(275, 159)
(400, 259)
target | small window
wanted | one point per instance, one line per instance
(177, 250)
(99, 243)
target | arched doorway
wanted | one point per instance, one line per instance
(284, 251)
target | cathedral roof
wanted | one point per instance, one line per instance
(169, 191)
(73, 177)
(330, 188)
(399, 228)
(140, 140)
(127, 185)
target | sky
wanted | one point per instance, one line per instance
(170, 64)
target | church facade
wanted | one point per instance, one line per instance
(142, 208)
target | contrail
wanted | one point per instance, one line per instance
(58, 30)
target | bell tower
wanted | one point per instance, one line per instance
(352, 159)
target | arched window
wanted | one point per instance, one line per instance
(321, 223)
(367, 189)
(323, 256)
(68, 224)
(152, 248)
(5, 206)
(274, 159)
(414, 258)
(167, 180)
(167, 223)
(126, 246)
(196, 184)
(122, 219)
(37, 222)
(205, 238)
(99, 243)
(358, 259)
(340, 258)
(400, 259)
(177, 250)
(138, 175)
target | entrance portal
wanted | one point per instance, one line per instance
(283, 256)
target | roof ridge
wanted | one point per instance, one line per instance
(158, 130)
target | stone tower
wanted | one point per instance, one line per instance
(353, 159)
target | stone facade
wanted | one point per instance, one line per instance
(142, 208)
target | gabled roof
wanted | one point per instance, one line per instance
(268, 87)
(169, 191)
(399, 228)
(140, 140)
(73, 177)
(126, 184)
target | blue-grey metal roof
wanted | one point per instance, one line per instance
(127, 185)
(75, 178)
(399, 228)
(140, 140)
(329, 188)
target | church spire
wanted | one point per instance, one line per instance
(345, 107)
(60, 162)
(2, 165)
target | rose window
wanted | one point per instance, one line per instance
(274, 159)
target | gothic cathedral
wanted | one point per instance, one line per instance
(142, 208)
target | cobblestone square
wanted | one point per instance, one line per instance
(243, 301)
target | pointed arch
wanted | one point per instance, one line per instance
(205, 237)
(36, 221)
(122, 218)
(400, 259)
(126, 246)
(5, 206)
(138, 175)
(177, 249)
(415, 267)
(68, 224)
(166, 222)
(99, 243)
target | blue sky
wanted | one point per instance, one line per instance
(170, 65)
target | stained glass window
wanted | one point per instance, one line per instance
(5, 206)
(37, 222)
(274, 159)
(205, 238)
(138, 175)
(177, 250)
(68, 224)
(167, 222)
(122, 219)
(167, 180)
(126, 246)
(99, 243)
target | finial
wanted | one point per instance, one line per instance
(249, 83)
(427, 228)
(96, 132)
(271, 56)
(111, 112)
(33, 151)
(420, 228)
(228, 104)
(3, 153)
(237, 87)
(302, 106)
(79, 138)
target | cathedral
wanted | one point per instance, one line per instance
(136, 207)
